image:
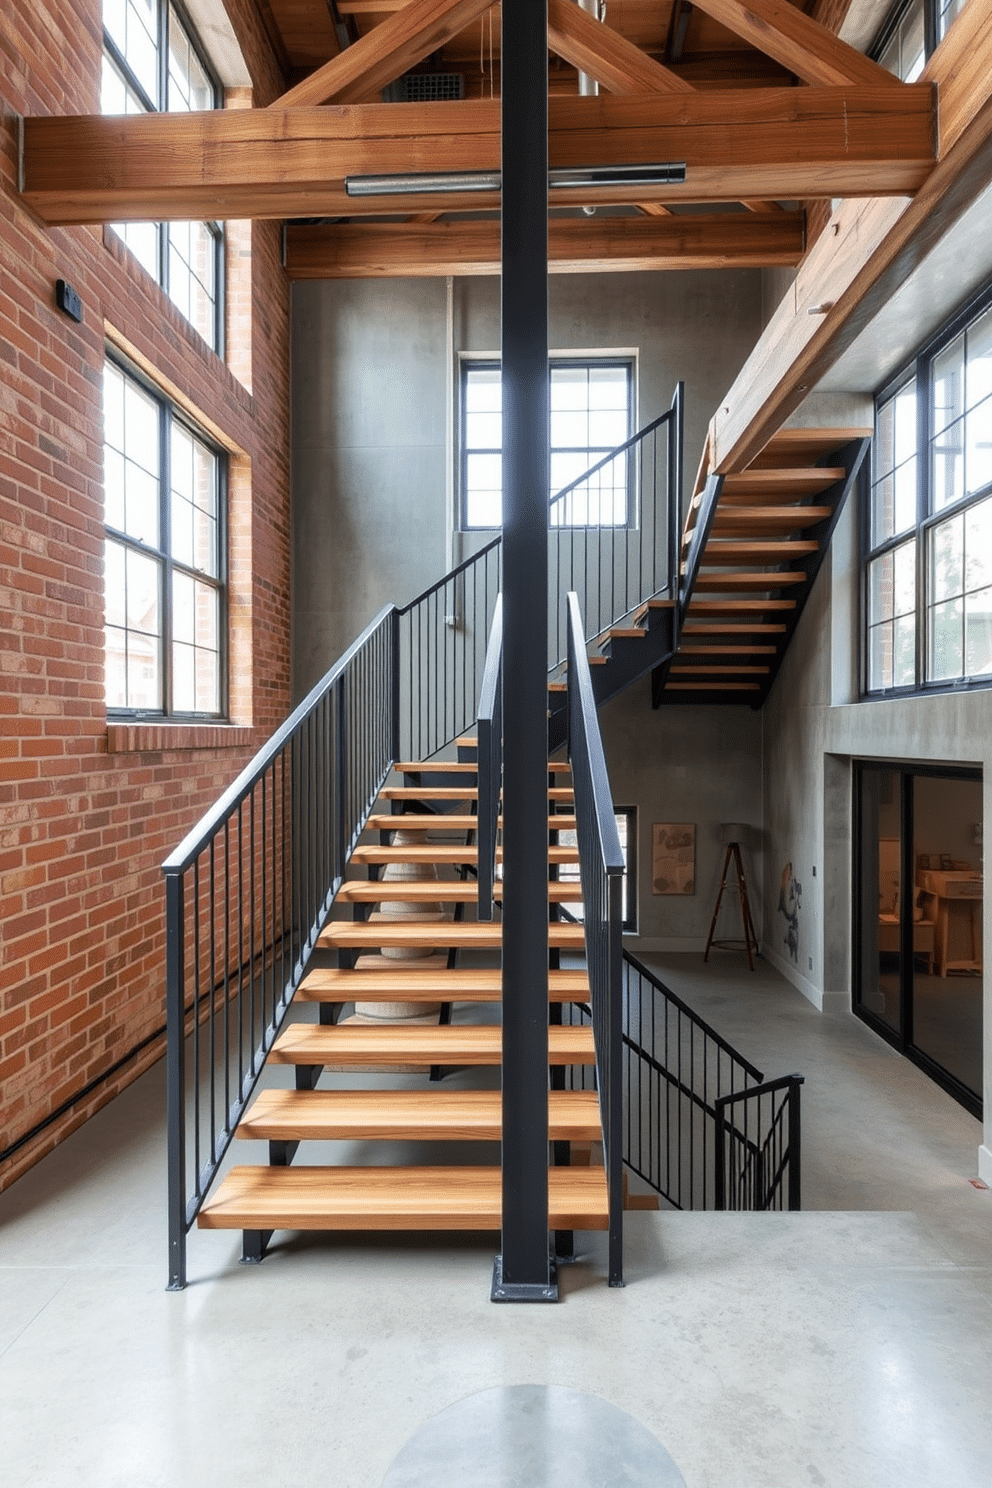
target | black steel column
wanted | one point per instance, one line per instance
(523, 1271)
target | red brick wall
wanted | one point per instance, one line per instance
(87, 814)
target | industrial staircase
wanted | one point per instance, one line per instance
(342, 877)
(752, 545)
(463, 1039)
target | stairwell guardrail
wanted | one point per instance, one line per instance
(601, 869)
(247, 893)
(614, 533)
(490, 761)
(681, 1079)
(758, 1147)
(613, 537)
(249, 888)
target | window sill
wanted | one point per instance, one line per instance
(145, 738)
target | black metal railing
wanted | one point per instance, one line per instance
(676, 1069)
(442, 637)
(680, 1080)
(758, 1147)
(247, 894)
(614, 533)
(601, 868)
(490, 762)
(249, 889)
(613, 537)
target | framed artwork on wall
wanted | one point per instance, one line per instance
(673, 857)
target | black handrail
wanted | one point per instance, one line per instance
(249, 888)
(601, 868)
(676, 1068)
(442, 637)
(679, 1077)
(758, 1155)
(614, 532)
(490, 761)
(247, 893)
(613, 536)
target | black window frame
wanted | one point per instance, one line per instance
(932, 10)
(918, 367)
(165, 8)
(168, 414)
(471, 364)
(900, 1038)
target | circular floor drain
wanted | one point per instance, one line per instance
(533, 1436)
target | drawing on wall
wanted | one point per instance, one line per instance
(673, 857)
(790, 900)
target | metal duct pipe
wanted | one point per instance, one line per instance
(588, 86)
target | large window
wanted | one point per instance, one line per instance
(153, 62)
(929, 529)
(591, 410)
(912, 29)
(164, 556)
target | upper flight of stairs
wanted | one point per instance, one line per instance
(415, 1076)
(751, 549)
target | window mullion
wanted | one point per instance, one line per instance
(165, 508)
(163, 56)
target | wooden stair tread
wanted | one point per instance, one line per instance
(709, 670)
(780, 518)
(428, 767)
(389, 930)
(806, 478)
(461, 984)
(456, 793)
(814, 443)
(438, 891)
(408, 1116)
(414, 822)
(734, 608)
(442, 1044)
(730, 627)
(730, 550)
(712, 686)
(685, 652)
(732, 581)
(460, 767)
(443, 852)
(414, 1198)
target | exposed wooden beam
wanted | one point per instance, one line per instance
(771, 143)
(804, 46)
(379, 57)
(375, 250)
(596, 49)
(868, 251)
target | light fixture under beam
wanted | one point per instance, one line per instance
(570, 177)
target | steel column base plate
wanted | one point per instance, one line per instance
(524, 1291)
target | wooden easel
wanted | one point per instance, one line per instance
(750, 938)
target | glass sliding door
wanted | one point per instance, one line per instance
(918, 916)
(879, 910)
(947, 910)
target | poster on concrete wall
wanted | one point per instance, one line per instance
(673, 857)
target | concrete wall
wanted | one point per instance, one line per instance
(372, 429)
(682, 764)
(814, 728)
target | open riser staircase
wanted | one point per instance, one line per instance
(398, 951)
(353, 874)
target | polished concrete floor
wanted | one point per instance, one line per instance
(846, 1346)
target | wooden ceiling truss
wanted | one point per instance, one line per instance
(665, 68)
